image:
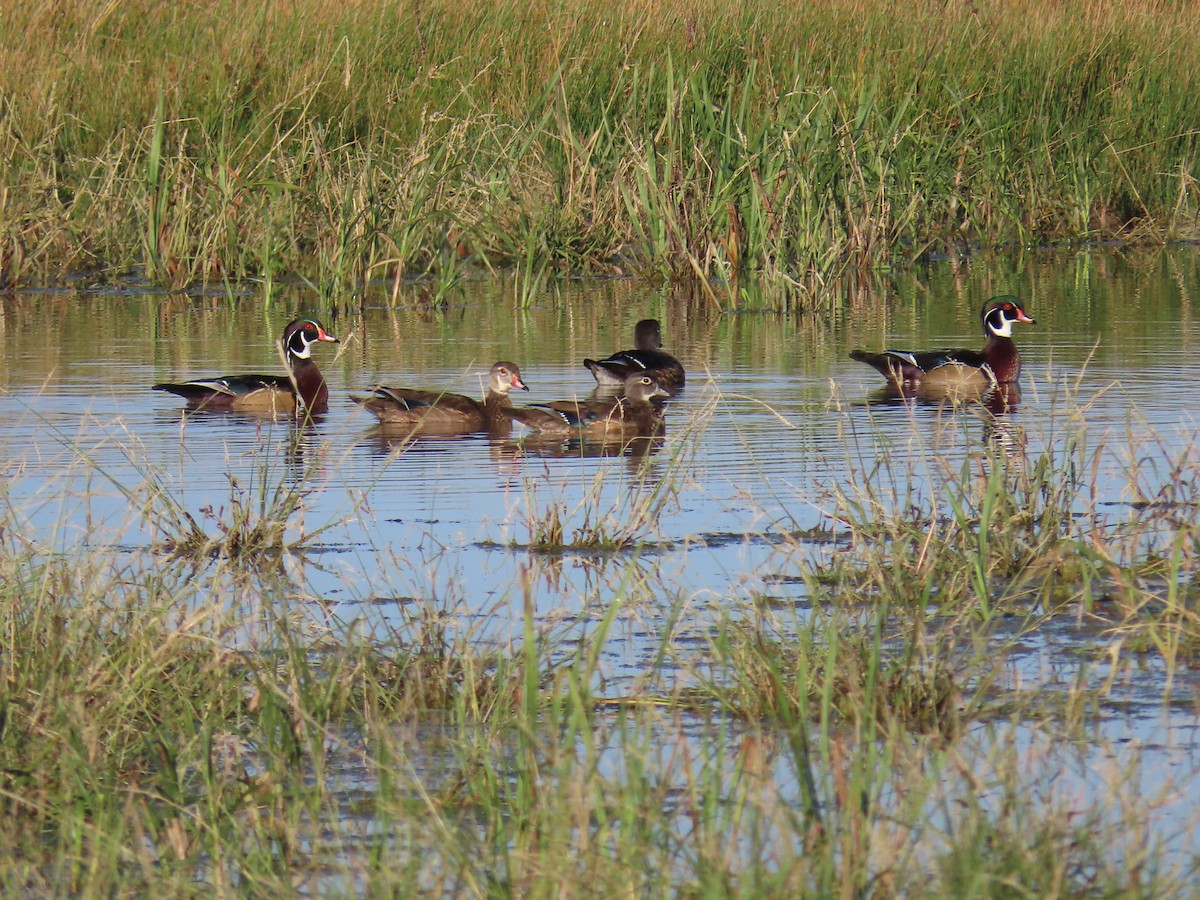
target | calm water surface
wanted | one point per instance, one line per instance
(774, 419)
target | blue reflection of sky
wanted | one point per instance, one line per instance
(753, 454)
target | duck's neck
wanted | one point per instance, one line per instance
(1002, 358)
(495, 401)
(310, 384)
(638, 406)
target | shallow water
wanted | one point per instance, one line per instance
(774, 419)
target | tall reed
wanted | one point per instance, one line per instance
(719, 142)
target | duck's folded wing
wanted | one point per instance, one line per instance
(231, 386)
(411, 399)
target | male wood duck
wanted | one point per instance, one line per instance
(946, 371)
(615, 418)
(433, 411)
(647, 359)
(268, 393)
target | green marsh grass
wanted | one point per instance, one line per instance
(600, 520)
(717, 143)
(595, 524)
(256, 516)
(201, 725)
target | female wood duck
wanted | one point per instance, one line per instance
(615, 418)
(433, 411)
(304, 387)
(647, 359)
(945, 371)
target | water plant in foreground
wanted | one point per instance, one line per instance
(204, 725)
(255, 518)
(610, 517)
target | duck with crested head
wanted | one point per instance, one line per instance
(303, 388)
(444, 413)
(938, 372)
(647, 358)
(612, 419)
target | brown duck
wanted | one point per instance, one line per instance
(611, 419)
(444, 413)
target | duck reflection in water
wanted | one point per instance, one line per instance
(511, 458)
(1000, 434)
(506, 451)
(992, 406)
(636, 448)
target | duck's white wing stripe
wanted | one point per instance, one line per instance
(904, 356)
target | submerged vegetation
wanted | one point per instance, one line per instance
(378, 141)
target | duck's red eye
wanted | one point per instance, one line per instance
(503, 371)
(1008, 307)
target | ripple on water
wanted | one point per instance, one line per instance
(775, 422)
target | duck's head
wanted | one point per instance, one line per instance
(647, 335)
(300, 335)
(999, 313)
(642, 388)
(504, 377)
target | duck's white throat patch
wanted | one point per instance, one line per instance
(999, 324)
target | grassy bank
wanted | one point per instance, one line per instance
(184, 717)
(382, 140)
